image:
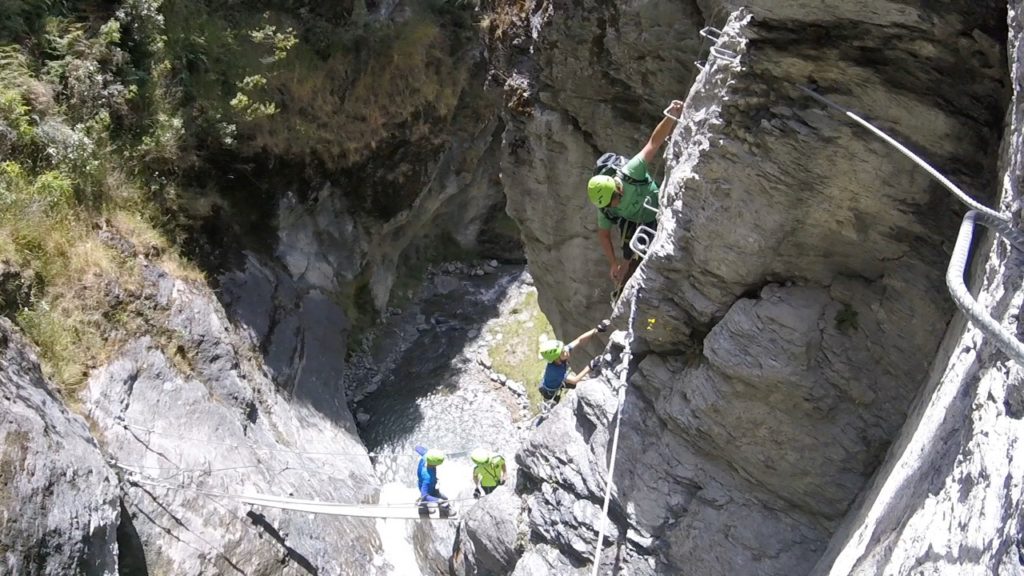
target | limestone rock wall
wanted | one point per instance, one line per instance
(948, 499)
(333, 270)
(794, 299)
(191, 427)
(59, 507)
(583, 78)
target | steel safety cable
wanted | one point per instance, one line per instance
(960, 194)
(141, 480)
(622, 374)
(962, 295)
(978, 213)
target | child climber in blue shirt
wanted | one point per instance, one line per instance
(426, 477)
(556, 373)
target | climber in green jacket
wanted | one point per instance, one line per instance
(620, 199)
(488, 471)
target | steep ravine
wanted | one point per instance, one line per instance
(804, 396)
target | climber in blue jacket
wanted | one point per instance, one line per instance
(426, 474)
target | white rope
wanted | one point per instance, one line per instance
(207, 470)
(622, 372)
(233, 445)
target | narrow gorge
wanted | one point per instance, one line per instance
(268, 248)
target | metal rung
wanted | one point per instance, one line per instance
(711, 33)
(647, 205)
(700, 64)
(676, 118)
(727, 55)
(641, 240)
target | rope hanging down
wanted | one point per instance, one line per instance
(621, 373)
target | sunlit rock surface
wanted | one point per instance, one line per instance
(191, 431)
(794, 298)
(59, 506)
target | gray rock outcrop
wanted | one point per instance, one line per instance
(192, 427)
(596, 70)
(59, 507)
(948, 499)
(488, 541)
(793, 300)
(333, 270)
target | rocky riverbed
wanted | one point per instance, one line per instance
(425, 376)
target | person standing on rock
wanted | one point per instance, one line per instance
(488, 471)
(426, 476)
(556, 373)
(620, 200)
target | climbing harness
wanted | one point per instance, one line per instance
(998, 223)
(622, 373)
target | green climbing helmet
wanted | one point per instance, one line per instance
(434, 457)
(600, 190)
(480, 456)
(551, 350)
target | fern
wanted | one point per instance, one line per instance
(14, 67)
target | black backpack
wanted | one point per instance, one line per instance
(612, 164)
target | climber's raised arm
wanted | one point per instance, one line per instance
(661, 132)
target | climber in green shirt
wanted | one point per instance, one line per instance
(620, 200)
(488, 471)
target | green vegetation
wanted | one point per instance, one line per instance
(74, 164)
(515, 354)
(130, 119)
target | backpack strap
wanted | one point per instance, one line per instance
(630, 180)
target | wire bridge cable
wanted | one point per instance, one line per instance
(454, 453)
(399, 510)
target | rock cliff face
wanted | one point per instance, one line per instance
(583, 78)
(790, 312)
(948, 499)
(181, 423)
(58, 498)
(191, 427)
(793, 301)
